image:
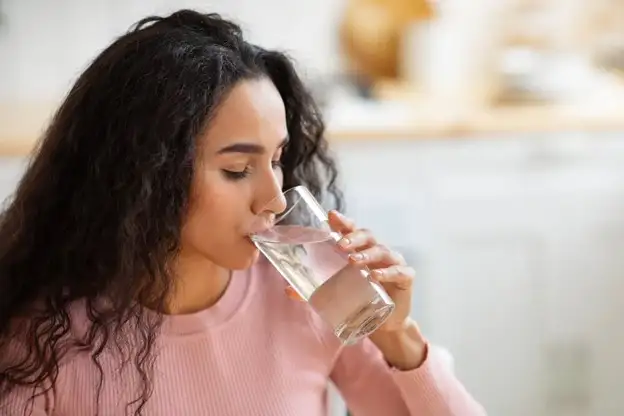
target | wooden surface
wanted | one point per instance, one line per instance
(21, 126)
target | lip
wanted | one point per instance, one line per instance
(262, 224)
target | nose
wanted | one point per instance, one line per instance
(270, 198)
(277, 205)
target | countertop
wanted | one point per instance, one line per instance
(21, 125)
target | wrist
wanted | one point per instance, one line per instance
(404, 348)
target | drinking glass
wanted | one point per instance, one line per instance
(303, 248)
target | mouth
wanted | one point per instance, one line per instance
(262, 224)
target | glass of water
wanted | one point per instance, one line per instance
(303, 248)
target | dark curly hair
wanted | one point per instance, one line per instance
(99, 210)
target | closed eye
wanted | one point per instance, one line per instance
(242, 174)
(236, 175)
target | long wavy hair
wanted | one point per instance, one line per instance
(98, 212)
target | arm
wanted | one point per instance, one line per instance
(393, 372)
(371, 387)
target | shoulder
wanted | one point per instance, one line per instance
(35, 352)
(43, 336)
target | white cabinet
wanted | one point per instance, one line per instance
(517, 244)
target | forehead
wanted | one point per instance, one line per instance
(253, 112)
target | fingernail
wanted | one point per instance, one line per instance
(357, 256)
(344, 242)
(378, 273)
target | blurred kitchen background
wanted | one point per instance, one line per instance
(483, 138)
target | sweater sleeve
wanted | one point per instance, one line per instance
(370, 387)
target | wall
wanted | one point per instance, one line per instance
(44, 44)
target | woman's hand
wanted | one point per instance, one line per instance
(387, 267)
(399, 338)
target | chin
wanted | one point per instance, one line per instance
(244, 257)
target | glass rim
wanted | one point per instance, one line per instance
(304, 195)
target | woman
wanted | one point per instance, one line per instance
(128, 282)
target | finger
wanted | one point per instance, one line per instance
(358, 240)
(401, 276)
(378, 257)
(292, 293)
(339, 223)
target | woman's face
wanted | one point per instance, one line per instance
(238, 175)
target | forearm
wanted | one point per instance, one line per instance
(404, 349)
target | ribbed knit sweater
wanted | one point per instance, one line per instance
(255, 352)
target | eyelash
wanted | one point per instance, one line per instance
(234, 175)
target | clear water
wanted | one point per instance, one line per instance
(319, 271)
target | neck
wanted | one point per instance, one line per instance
(199, 284)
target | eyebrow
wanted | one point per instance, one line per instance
(249, 148)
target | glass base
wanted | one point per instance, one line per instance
(364, 322)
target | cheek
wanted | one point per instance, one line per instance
(216, 234)
(216, 224)
(214, 215)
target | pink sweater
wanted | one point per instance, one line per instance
(255, 353)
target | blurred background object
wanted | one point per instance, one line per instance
(483, 138)
(372, 33)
